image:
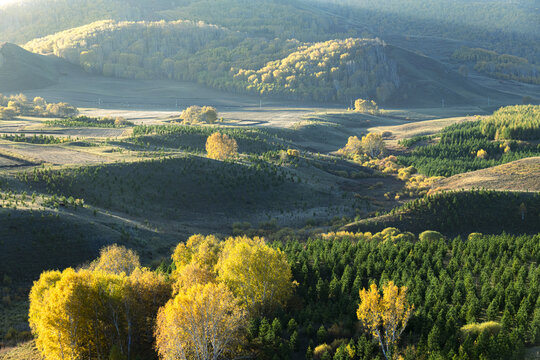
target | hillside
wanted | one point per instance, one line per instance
(337, 71)
(21, 70)
(520, 175)
(461, 212)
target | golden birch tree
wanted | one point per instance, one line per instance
(386, 316)
(201, 322)
(258, 275)
(116, 259)
(221, 146)
(373, 145)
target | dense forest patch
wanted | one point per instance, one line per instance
(500, 136)
(462, 212)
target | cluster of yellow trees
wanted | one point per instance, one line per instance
(16, 105)
(196, 114)
(368, 152)
(109, 309)
(335, 70)
(366, 106)
(100, 312)
(221, 146)
(371, 145)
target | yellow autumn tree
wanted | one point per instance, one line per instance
(386, 316)
(366, 106)
(93, 314)
(198, 248)
(196, 114)
(221, 146)
(257, 274)
(190, 275)
(481, 154)
(373, 145)
(353, 147)
(116, 259)
(201, 322)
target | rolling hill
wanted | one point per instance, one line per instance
(334, 71)
(22, 70)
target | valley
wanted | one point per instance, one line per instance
(166, 164)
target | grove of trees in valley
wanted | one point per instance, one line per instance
(16, 105)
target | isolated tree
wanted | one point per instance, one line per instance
(209, 114)
(385, 317)
(201, 322)
(366, 106)
(7, 113)
(221, 146)
(191, 115)
(63, 110)
(258, 275)
(196, 114)
(373, 145)
(116, 259)
(481, 154)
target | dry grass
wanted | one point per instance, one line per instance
(24, 351)
(520, 175)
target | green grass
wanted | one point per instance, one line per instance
(86, 121)
(192, 138)
(171, 187)
(32, 241)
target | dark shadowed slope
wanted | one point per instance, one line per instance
(427, 82)
(21, 70)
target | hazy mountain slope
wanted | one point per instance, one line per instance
(519, 16)
(506, 27)
(21, 22)
(427, 82)
(286, 19)
(20, 69)
(503, 26)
